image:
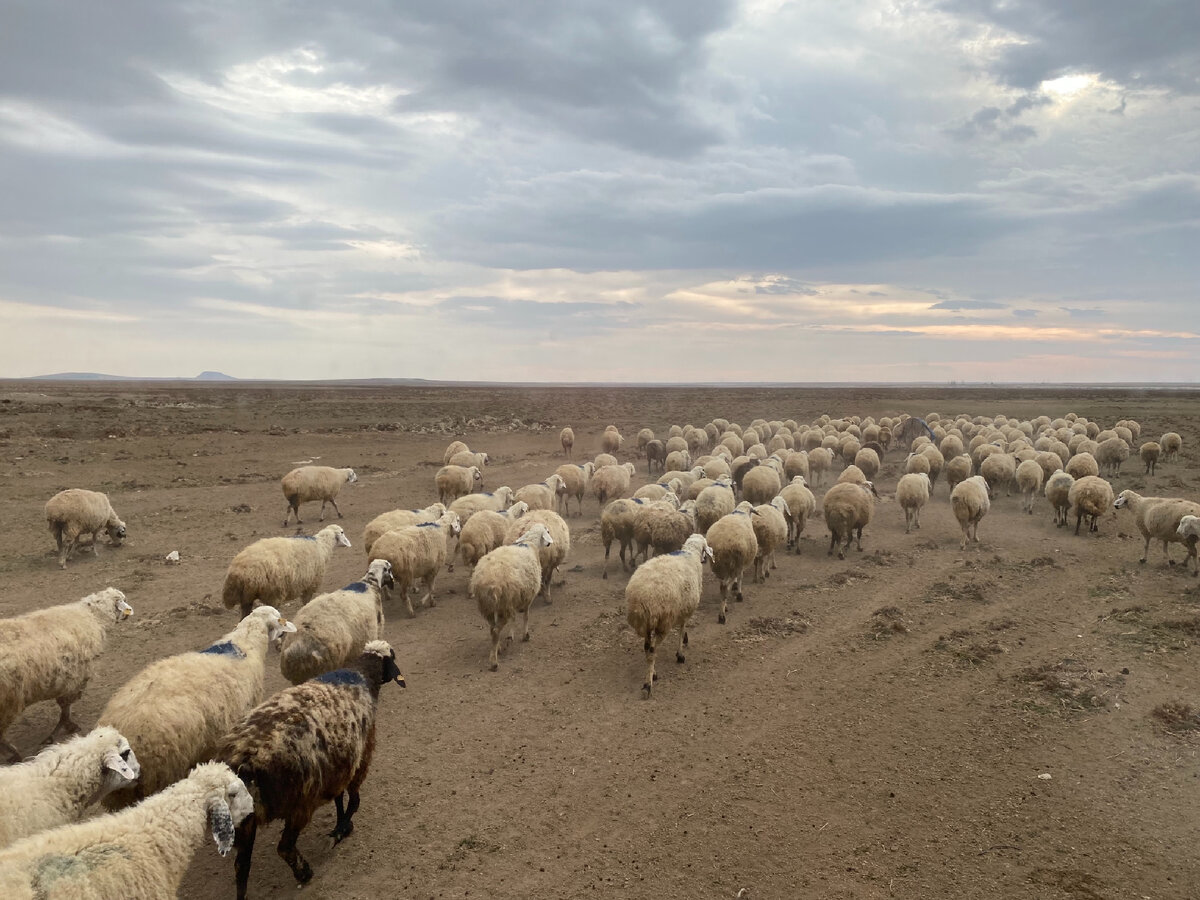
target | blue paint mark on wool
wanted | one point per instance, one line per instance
(303, 537)
(427, 524)
(225, 648)
(341, 677)
(359, 587)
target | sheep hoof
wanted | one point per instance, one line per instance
(1142, 560)
(841, 555)
(679, 658)
(721, 619)
(303, 873)
(603, 575)
(685, 641)
(646, 691)
(525, 638)
(1170, 562)
(493, 666)
(739, 597)
(339, 834)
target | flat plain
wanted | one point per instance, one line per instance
(876, 727)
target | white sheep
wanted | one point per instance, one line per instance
(847, 508)
(1082, 465)
(47, 655)
(176, 710)
(800, 505)
(611, 482)
(575, 480)
(453, 449)
(467, 458)
(617, 523)
(1058, 493)
(274, 571)
(713, 502)
(59, 784)
(662, 528)
(141, 852)
(1149, 453)
(604, 459)
(505, 582)
(912, 492)
(970, 503)
(663, 594)
(314, 483)
(543, 495)
(761, 484)
(734, 548)
(1110, 454)
(567, 438)
(771, 531)
(417, 552)
(75, 512)
(497, 500)
(1158, 518)
(1171, 444)
(455, 481)
(958, 469)
(551, 556)
(330, 630)
(484, 532)
(999, 470)
(1029, 483)
(611, 440)
(1189, 531)
(1090, 497)
(399, 518)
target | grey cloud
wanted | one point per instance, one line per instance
(785, 286)
(1025, 313)
(1082, 313)
(968, 304)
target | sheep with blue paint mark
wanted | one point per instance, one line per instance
(274, 571)
(417, 552)
(176, 710)
(506, 581)
(399, 518)
(332, 629)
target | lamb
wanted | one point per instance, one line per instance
(465, 507)
(617, 523)
(970, 503)
(417, 552)
(505, 582)
(1029, 482)
(567, 438)
(575, 483)
(554, 554)
(662, 529)
(1110, 454)
(305, 746)
(314, 483)
(455, 481)
(848, 508)
(1150, 452)
(455, 447)
(399, 518)
(330, 631)
(274, 571)
(611, 482)
(543, 495)
(1082, 465)
(712, 503)
(912, 492)
(800, 505)
(734, 547)
(176, 710)
(761, 484)
(1058, 491)
(1157, 518)
(485, 532)
(1090, 497)
(466, 459)
(611, 440)
(47, 655)
(958, 469)
(75, 512)
(770, 530)
(1171, 444)
(140, 852)
(663, 594)
(60, 783)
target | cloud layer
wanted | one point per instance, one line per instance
(700, 190)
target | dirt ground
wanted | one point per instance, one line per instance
(913, 722)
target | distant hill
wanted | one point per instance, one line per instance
(214, 376)
(97, 376)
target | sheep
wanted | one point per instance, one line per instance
(611, 482)
(455, 447)
(398, 518)
(141, 852)
(656, 454)
(970, 503)
(676, 443)
(314, 483)
(1058, 491)
(60, 783)
(999, 470)
(677, 461)
(176, 710)
(1110, 454)
(852, 474)
(716, 467)
(1090, 497)
(617, 523)
(734, 547)
(611, 440)
(712, 503)
(662, 528)
(800, 505)
(868, 461)
(912, 492)
(761, 484)
(417, 552)
(543, 495)
(1189, 531)
(466, 459)
(505, 583)
(575, 480)
(644, 437)
(1171, 444)
(304, 746)
(847, 508)
(1050, 463)
(770, 530)
(741, 467)
(331, 630)
(958, 469)
(47, 655)
(663, 594)
(273, 571)
(1150, 452)
(658, 491)
(75, 512)
(551, 556)
(1082, 465)
(685, 479)
(1157, 518)
(485, 532)
(795, 463)
(567, 438)
(1029, 483)
(497, 500)
(936, 463)
(916, 463)
(455, 481)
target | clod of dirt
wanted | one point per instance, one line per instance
(887, 621)
(241, 508)
(1070, 686)
(1176, 717)
(762, 627)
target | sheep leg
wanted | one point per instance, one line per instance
(858, 541)
(1078, 519)
(291, 508)
(737, 586)
(683, 642)
(1167, 553)
(344, 825)
(96, 544)
(525, 624)
(14, 755)
(604, 571)
(497, 629)
(907, 521)
(287, 846)
(651, 651)
(545, 592)
(333, 503)
(68, 549)
(65, 724)
(724, 599)
(832, 544)
(917, 517)
(243, 839)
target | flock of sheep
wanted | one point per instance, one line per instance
(189, 746)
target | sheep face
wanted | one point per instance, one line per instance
(116, 531)
(1189, 526)
(226, 810)
(351, 477)
(277, 625)
(380, 574)
(389, 671)
(342, 540)
(1122, 501)
(120, 768)
(114, 600)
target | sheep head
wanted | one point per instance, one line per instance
(379, 573)
(226, 808)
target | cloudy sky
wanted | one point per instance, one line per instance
(553, 190)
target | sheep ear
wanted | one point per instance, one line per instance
(220, 820)
(125, 769)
